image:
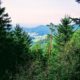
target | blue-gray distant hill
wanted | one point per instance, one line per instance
(41, 30)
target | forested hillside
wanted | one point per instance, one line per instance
(57, 57)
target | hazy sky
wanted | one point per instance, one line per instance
(40, 11)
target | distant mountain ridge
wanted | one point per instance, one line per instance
(41, 30)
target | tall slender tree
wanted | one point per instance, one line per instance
(5, 27)
(50, 36)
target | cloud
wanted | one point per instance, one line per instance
(37, 37)
(33, 34)
(40, 38)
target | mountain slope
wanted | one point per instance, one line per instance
(40, 30)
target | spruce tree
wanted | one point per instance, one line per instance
(5, 27)
(5, 20)
(21, 56)
(23, 42)
(65, 31)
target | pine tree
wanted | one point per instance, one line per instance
(22, 46)
(65, 31)
(5, 27)
(22, 54)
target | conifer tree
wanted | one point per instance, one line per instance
(5, 20)
(21, 47)
(50, 36)
(65, 31)
(5, 27)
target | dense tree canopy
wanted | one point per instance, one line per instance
(20, 59)
(14, 47)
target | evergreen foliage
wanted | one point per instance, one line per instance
(65, 31)
(57, 59)
(4, 42)
(14, 48)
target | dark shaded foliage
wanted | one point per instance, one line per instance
(14, 48)
(65, 31)
(18, 61)
(78, 1)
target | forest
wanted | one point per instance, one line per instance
(56, 59)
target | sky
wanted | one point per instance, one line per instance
(37, 12)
